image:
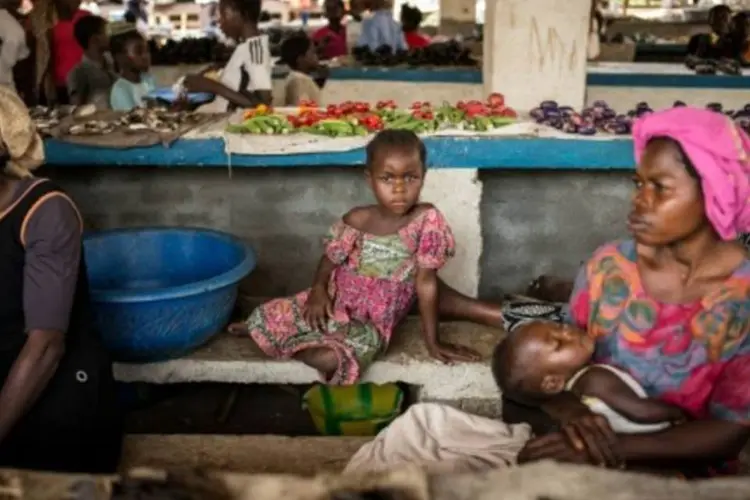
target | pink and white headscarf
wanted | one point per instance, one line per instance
(720, 152)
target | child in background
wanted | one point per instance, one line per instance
(332, 38)
(13, 46)
(381, 29)
(377, 259)
(542, 358)
(712, 45)
(411, 18)
(357, 12)
(738, 38)
(246, 79)
(90, 82)
(133, 60)
(298, 52)
(66, 52)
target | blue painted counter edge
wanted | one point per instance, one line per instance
(443, 152)
(470, 75)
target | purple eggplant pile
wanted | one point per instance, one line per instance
(601, 118)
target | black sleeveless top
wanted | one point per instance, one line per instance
(12, 257)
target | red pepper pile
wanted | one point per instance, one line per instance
(375, 118)
(310, 114)
(495, 106)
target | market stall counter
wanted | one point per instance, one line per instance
(622, 85)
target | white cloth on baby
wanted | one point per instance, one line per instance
(442, 439)
(618, 422)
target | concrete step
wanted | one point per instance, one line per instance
(248, 454)
(237, 360)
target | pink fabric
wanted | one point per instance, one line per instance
(719, 151)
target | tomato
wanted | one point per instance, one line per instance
(510, 112)
(416, 105)
(361, 107)
(496, 100)
(461, 105)
(428, 115)
(475, 108)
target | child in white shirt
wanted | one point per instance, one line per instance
(246, 79)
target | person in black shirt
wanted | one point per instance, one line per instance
(58, 408)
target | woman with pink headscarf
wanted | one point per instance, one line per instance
(671, 306)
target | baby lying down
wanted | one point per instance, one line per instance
(538, 360)
(541, 359)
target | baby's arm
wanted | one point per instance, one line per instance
(610, 389)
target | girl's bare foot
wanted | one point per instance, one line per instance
(239, 329)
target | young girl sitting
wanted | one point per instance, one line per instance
(376, 260)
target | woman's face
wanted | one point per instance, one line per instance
(667, 201)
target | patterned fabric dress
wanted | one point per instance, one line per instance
(696, 356)
(372, 289)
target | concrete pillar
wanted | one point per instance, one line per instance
(457, 17)
(535, 50)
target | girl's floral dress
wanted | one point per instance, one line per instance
(372, 288)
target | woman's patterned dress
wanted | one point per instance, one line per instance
(694, 355)
(372, 289)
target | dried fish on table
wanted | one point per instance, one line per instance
(158, 120)
(92, 127)
(46, 119)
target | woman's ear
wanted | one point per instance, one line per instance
(553, 384)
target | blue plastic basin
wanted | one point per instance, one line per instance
(158, 293)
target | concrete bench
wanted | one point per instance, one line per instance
(250, 454)
(236, 360)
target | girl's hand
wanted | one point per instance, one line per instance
(449, 353)
(319, 308)
(592, 434)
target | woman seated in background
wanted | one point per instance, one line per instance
(380, 29)
(331, 39)
(411, 19)
(713, 45)
(58, 408)
(738, 38)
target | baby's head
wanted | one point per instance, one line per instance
(396, 169)
(536, 361)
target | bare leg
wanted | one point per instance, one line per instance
(321, 358)
(455, 305)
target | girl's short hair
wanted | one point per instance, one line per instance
(395, 139)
